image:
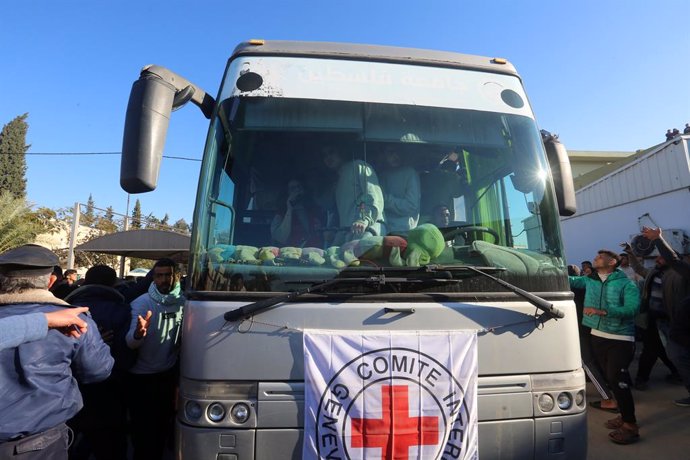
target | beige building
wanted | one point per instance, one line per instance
(589, 166)
(585, 161)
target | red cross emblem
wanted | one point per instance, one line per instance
(395, 431)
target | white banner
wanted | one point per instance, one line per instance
(390, 395)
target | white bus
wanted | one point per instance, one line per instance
(425, 142)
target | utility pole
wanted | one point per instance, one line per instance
(73, 236)
(125, 228)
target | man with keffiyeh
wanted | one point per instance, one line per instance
(154, 332)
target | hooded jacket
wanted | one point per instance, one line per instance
(111, 313)
(618, 296)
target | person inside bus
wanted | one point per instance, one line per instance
(299, 221)
(400, 184)
(358, 196)
(442, 184)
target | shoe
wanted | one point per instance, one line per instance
(624, 435)
(614, 423)
(683, 402)
(597, 405)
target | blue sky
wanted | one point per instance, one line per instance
(605, 75)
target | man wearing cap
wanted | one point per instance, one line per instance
(38, 390)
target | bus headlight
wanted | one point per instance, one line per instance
(546, 403)
(565, 401)
(193, 410)
(215, 412)
(580, 398)
(240, 413)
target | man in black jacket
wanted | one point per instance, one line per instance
(676, 329)
(103, 420)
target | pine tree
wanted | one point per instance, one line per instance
(136, 215)
(107, 223)
(12, 156)
(165, 221)
(109, 214)
(88, 218)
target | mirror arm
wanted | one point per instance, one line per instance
(185, 90)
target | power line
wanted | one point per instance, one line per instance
(89, 153)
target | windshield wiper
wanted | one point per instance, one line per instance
(379, 280)
(535, 300)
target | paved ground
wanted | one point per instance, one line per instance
(664, 427)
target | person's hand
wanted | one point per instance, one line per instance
(589, 311)
(142, 325)
(626, 247)
(452, 156)
(358, 227)
(294, 199)
(651, 233)
(68, 321)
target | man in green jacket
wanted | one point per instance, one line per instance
(611, 302)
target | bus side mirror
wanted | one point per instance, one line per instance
(156, 93)
(562, 175)
(146, 126)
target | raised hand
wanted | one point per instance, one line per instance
(651, 233)
(626, 247)
(142, 325)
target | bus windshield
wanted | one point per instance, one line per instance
(300, 189)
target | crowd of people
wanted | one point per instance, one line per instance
(620, 301)
(88, 367)
(675, 132)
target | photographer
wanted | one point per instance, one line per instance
(675, 326)
(662, 292)
(299, 221)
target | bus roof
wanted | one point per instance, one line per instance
(392, 54)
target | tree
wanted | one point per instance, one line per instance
(106, 224)
(18, 225)
(136, 215)
(45, 220)
(182, 226)
(152, 222)
(12, 156)
(88, 218)
(109, 214)
(165, 221)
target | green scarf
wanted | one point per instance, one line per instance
(174, 297)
